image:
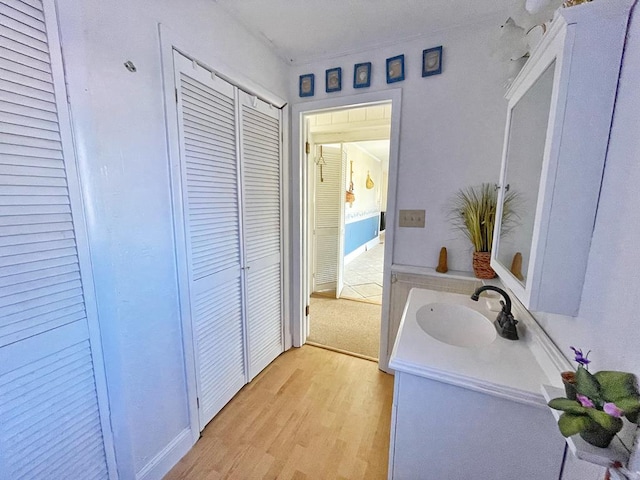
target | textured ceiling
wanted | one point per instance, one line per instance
(301, 31)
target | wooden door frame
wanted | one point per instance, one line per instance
(299, 172)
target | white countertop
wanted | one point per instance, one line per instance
(504, 368)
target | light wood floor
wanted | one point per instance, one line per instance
(312, 414)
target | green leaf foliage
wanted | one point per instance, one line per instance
(628, 405)
(473, 211)
(570, 424)
(566, 405)
(605, 420)
(587, 385)
(616, 385)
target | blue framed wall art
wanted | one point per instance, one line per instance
(333, 79)
(395, 69)
(306, 86)
(432, 61)
(362, 75)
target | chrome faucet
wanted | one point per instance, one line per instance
(505, 323)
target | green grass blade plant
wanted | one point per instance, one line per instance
(474, 213)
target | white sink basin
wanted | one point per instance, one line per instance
(456, 325)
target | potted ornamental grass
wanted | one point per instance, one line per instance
(473, 212)
(601, 401)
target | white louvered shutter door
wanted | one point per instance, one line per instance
(50, 422)
(329, 201)
(262, 228)
(208, 138)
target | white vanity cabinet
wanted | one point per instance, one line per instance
(560, 109)
(444, 431)
(473, 411)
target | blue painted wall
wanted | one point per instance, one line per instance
(359, 233)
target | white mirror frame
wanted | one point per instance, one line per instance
(556, 47)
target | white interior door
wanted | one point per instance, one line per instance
(53, 407)
(262, 230)
(340, 260)
(210, 196)
(328, 204)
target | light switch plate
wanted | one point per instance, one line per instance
(412, 218)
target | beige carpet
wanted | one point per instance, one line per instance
(346, 325)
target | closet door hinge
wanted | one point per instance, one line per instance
(176, 95)
(198, 402)
(307, 148)
(307, 310)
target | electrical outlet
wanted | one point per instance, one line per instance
(412, 218)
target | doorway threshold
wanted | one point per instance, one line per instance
(344, 352)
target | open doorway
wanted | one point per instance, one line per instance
(347, 178)
(299, 168)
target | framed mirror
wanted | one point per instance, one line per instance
(558, 123)
(526, 140)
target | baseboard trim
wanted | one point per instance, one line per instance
(361, 249)
(164, 461)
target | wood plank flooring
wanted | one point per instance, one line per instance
(311, 414)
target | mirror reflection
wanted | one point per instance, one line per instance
(525, 153)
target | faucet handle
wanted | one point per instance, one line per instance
(509, 330)
(504, 308)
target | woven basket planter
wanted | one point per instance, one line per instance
(482, 265)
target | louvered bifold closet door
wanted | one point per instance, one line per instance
(262, 225)
(209, 168)
(50, 423)
(329, 200)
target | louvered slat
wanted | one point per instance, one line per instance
(264, 311)
(261, 172)
(261, 183)
(212, 172)
(209, 166)
(218, 320)
(329, 199)
(49, 417)
(50, 423)
(21, 135)
(212, 226)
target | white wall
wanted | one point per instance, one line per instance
(609, 321)
(119, 124)
(367, 202)
(452, 127)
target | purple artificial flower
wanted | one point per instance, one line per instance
(585, 401)
(612, 409)
(580, 358)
